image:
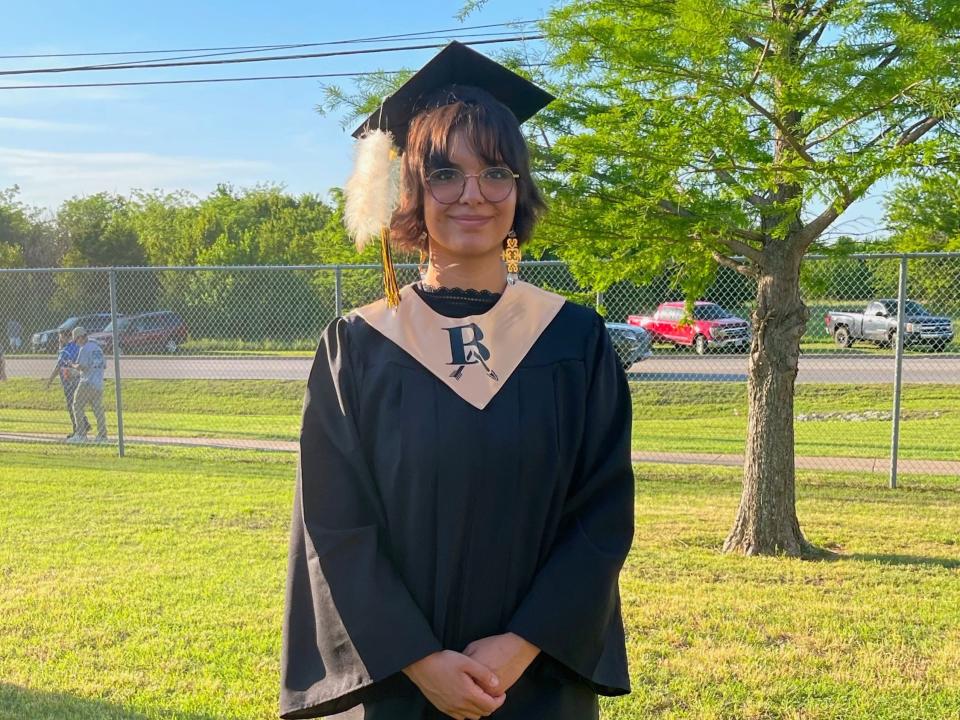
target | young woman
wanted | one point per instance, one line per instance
(464, 498)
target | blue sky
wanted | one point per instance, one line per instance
(58, 143)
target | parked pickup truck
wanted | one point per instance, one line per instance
(878, 324)
(708, 327)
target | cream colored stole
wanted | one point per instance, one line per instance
(475, 355)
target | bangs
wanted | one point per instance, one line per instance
(479, 129)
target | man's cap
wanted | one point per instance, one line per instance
(79, 331)
(455, 65)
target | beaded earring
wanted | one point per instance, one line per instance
(512, 256)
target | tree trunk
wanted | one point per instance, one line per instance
(767, 522)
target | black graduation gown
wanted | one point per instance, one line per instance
(421, 523)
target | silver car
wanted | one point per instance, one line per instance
(631, 343)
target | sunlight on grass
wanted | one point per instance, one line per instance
(832, 420)
(152, 587)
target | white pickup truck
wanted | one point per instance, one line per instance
(878, 324)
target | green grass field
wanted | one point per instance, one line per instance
(152, 587)
(833, 420)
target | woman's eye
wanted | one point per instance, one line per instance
(443, 176)
(497, 173)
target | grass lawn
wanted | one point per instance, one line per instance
(252, 409)
(152, 587)
(833, 420)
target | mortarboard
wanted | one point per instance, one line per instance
(372, 191)
(455, 65)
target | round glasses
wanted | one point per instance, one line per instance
(447, 184)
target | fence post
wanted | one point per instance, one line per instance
(599, 303)
(116, 359)
(898, 373)
(337, 297)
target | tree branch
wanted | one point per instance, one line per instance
(918, 130)
(751, 42)
(813, 42)
(741, 248)
(817, 19)
(784, 130)
(753, 198)
(546, 140)
(870, 76)
(748, 251)
(880, 136)
(748, 270)
(675, 209)
(812, 230)
(756, 72)
(862, 115)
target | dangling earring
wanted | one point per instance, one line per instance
(424, 265)
(512, 256)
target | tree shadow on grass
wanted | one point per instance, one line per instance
(18, 703)
(947, 563)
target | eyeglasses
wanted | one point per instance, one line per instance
(447, 184)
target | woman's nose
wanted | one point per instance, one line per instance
(471, 190)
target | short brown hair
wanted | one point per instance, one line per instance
(490, 129)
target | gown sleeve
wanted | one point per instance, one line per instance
(350, 622)
(572, 609)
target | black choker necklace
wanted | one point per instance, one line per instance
(465, 293)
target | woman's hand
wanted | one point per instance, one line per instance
(507, 655)
(457, 685)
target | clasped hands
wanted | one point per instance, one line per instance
(472, 684)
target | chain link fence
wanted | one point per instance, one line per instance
(218, 356)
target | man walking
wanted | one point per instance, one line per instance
(89, 390)
(69, 379)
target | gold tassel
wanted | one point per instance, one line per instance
(390, 287)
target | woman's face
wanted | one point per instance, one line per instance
(472, 226)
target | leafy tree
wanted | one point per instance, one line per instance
(252, 226)
(14, 228)
(923, 215)
(691, 133)
(26, 239)
(97, 232)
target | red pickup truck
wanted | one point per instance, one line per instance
(709, 327)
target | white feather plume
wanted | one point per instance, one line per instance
(373, 189)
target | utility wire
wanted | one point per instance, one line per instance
(464, 38)
(216, 80)
(275, 46)
(200, 80)
(231, 61)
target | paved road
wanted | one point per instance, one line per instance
(829, 368)
(659, 368)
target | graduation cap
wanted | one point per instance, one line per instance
(435, 84)
(372, 191)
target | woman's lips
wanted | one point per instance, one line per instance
(471, 220)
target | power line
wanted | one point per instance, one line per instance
(217, 80)
(303, 56)
(200, 80)
(275, 46)
(464, 38)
